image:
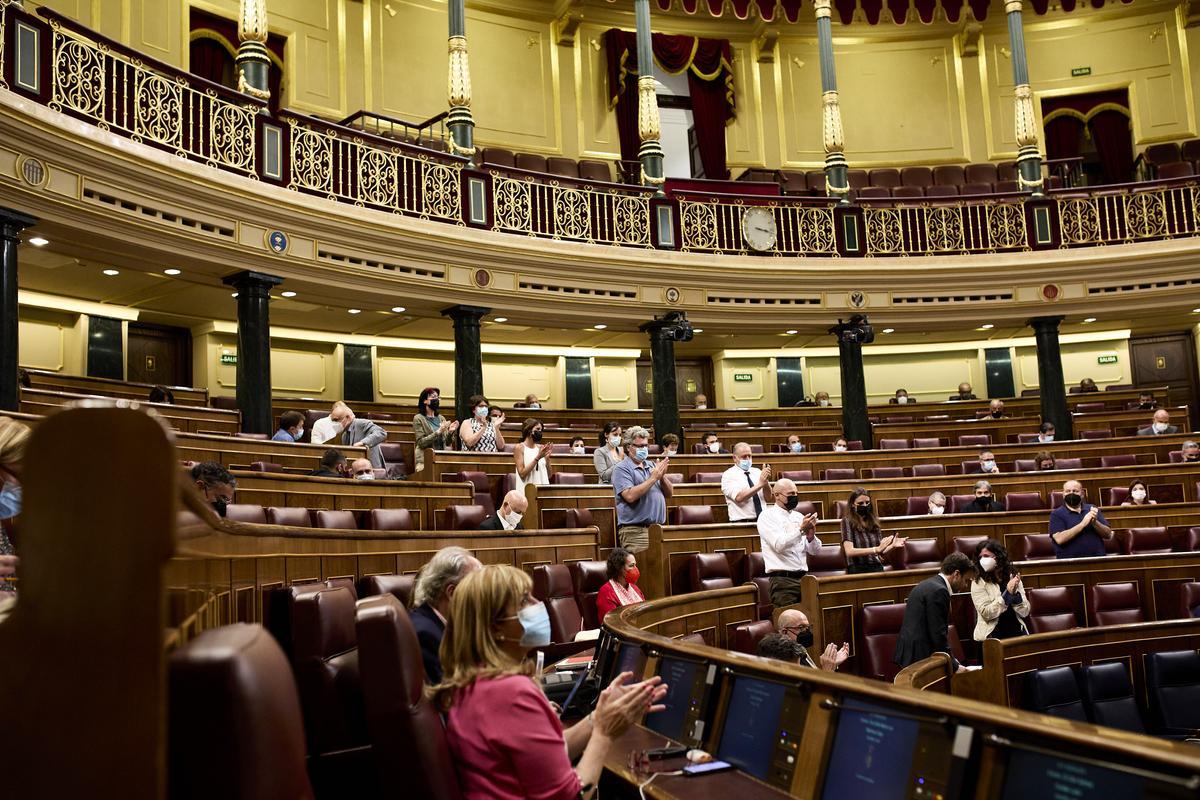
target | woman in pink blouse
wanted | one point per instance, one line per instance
(621, 589)
(506, 740)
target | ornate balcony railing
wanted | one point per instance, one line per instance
(52, 60)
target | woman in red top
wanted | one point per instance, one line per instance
(505, 739)
(621, 589)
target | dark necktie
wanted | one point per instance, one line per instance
(757, 499)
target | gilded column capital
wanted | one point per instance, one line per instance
(649, 125)
(823, 8)
(1026, 120)
(252, 21)
(831, 123)
(460, 73)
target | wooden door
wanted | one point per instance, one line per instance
(159, 354)
(693, 376)
(1168, 359)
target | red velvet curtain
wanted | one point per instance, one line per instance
(710, 84)
(769, 10)
(211, 61)
(1107, 116)
(1062, 137)
(1114, 142)
(226, 31)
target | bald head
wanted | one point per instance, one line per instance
(1162, 416)
(341, 414)
(360, 468)
(790, 622)
(781, 490)
(515, 501)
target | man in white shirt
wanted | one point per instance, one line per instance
(325, 428)
(787, 537)
(744, 486)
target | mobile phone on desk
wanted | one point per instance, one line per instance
(692, 770)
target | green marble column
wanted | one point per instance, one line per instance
(650, 152)
(11, 225)
(459, 120)
(1029, 159)
(837, 183)
(468, 356)
(253, 60)
(254, 349)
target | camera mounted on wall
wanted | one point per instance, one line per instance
(857, 331)
(674, 325)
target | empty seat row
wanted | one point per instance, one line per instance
(585, 169)
(942, 181)
(375, 519)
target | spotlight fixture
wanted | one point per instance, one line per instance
(500, 319)
(398, 309)
(288, 294)
(1089, 319)
(985, 327)
(888, 330)
(697, 330)
(791, 332)
(600, 327)
(172, 272)
(39, 241)
(353, 310)
(112, 272)
(235, 294)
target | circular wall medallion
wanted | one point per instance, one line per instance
(1051, 292)
(278, 242)
(34, 172)
(483, 278)
(671, 295)
(857, 299)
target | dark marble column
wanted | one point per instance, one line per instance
(662, 365)
(459, 120)
(254, 349)
(253, 61)
(1029, 159)
(855, 424)
(11, 225)
(650, 151)
(837, 183)
(468, 358)
(1052, 388)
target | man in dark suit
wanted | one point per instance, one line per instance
(431, 603)
(333, 465)
(927, 612)
(1161, 426)
(508, 517)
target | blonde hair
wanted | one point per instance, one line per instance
(470, 650)
(13, 438)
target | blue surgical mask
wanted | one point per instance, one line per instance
(745, 464)
(797, 447)
(615, 441)
(298, 435)
(642, 453)
(481, 411)
(535, 621)
(1046, 437)
(10, 500)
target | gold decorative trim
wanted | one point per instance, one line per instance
(459, 90)
(822, 8)
(1026, 120)
(831, 123)
(649, 122)
(252, 21)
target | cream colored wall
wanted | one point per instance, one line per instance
(928, 377)
(1079, 362)
(401, 375)
(298, 368)
(761, 391)
(614, 383)
(52, 340)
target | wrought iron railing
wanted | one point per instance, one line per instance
(431, 133)
(557, 208)
(714, 225)
(945, 228)
(1130, 214)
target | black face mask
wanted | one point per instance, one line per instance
(434, 405)
(983, 498)
(997, 414)
(804, 638)
(1073, 500)
(792, 501)
(536, 436)
(863, 509)
(1192, 457)
(220, 505)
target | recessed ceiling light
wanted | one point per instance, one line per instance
(235, 294)
(1196, 310)
(111, 272)
(986, 327)
(602, 326)
(889, 330)
(398, 309)
(500, 319)
(288, 294)
(38, 241)
(697, 330)
(1089, 319)
(353, 310)
(791, 332)
(172, 271)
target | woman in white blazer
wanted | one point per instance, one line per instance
(1001, 606)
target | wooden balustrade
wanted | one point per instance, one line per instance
(184, 418)
(107, 387)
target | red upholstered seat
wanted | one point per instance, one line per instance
(1024, 501)
(1176, 169)
(971, 467)
(566, 167)
(980, 173)
(927, 470)
(295, 517)
(893, 444)
(814, 179)
(569, 478)
(840, 474)
(1006, 171)
(586, 578)
(1149, 540)
(246, 512)
(399, 586)
(756, 573)
(1193, 539)
(883, 472)
(694, 515)
(389, 519)
(921, 553)
(854, 444)
(552, 585)
(908, 192)
(895, 421)
(710, 571)
(707, 477)
(874, 193)
(1190, 150)
(593, 170)
(974, 440)
(692, 638)
(1084, 408)
(974, 189)
(1119, 460)
(1025, 465)
(1026, 438)
(967, 544)
(1068, 463)
(797, 475)
(916, 176)
(1051, 609)
(927, 442)
(960, 501)
(265, 466)
(1165, 153)
(746, 635)
(407, 734)
(1116, 495)
(1006, 186)
(339, 519)
(465, 518)
(829, 560)
(1189, 599)
(498, 156)
(262, 437)
(534, 162)
(857, 178)
(807, 507)
(1037, 547)
(1114, 604)
(1096, 434)
(949, 175)
(579, 518)
(393, 456)
(880, 626)
(888, 177)
(916, 505)
(221, 688)
(941, 191)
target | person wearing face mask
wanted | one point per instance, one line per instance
(787, 538)
(1046, 433)
(1088, 385)
(1189, 452)
(670, 444)
(1139, 495)
(862, 538)
(532, 457)
(215, 483)
(481, 434)
(1044, 460)
(431, 431)
(435, 587)
(964, 392)
(1001, 606)
(937, 504)
(291, 427)
(744, 485)
(701, 402)
(577, 446)
(839, 445)
(1078, 529)
(902, 398)
(333, 465)
(712, 445)
(794, 445)
(531, 401)
(1145, 402)
(821, 399)
(794, 627)
(508, 516)
(1160, 426)
(926, 625)
(640, 491)
(622, 588)
(326, 429)
(361, 470)
(504, 738)
(357, 432)
(987, 462)
(14, 436)
(984, 502)
(609, 453)
(996, 407)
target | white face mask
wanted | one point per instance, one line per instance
(1138, 494)
(670, 451)
(822, 402)
(903, 399)
(714, 447)
(1046, 437)
(615, 441)
(1161, 427)
(578, 449)
(534, 405)
(701, 406)
(366, 476)
(988, 466)
(513, 519)
(937, 510)
(987, 563)
(841, 448)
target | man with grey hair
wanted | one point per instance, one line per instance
(640, 490)
(436, 583)
(1190, 451)
(937, 503)
(983, 501)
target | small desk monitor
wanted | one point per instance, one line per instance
(1032, 774)
(763, 724)
(688, 688)
(629, 658)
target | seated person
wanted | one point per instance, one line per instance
(670, 444)
(215, 483)
(1139, 495)
(1088, 385)
(1044, 460)
(291, 427)
(1146, 401)
(1046, 433)
(701, 402)
(794, 445)
(712, 444)
(964, 392)
(840, 445)
(983, 502)
(795, 627)
(531, 401)
(578, 446)
(333, 465)
(997, 408)
(361, 470)
(780, 648)
(821, 398)
(937, 504)
(436, 584)
(161, 394)
(902, 397)
(1190, 451)
(987, 462)
(1160, 426)
(508, 517)
(1078, 529)
(622, 588)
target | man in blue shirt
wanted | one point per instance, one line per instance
(641, 491)
(291, 427)
(1077, 529)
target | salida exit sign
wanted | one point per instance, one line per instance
(1079, 72)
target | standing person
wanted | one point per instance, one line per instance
(862, 538)
(640, 490)
(622, 588)
(745, 486)
(435, 587)
(1000, 606)
(504, 738)
(14, 436)
(481, 434)
(925, 629)
(357, 432)
(1078, 529)
(609, 453)
(532, 458)
(788, 538)
(430, 429)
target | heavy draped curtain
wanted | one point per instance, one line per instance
(214, 48)
(1106, 116)
(900, 11)
(708, 63)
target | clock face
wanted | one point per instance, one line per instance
(758, 228)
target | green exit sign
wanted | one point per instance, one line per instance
(1106, 359)
(742, 377)
(229, 358)
(1079, 72)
